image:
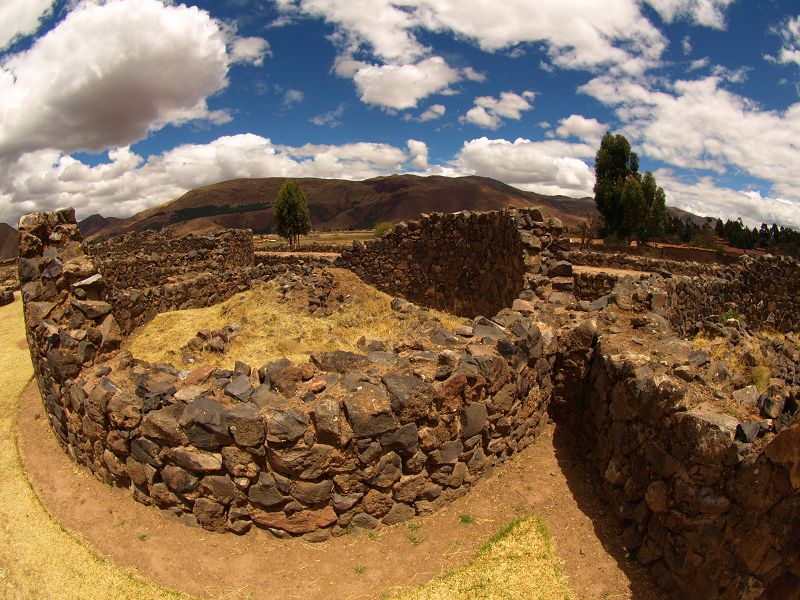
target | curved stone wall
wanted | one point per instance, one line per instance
(465, 263)
(294, 448)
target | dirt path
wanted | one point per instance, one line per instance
(541, 480)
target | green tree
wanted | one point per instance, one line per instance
(291, 212)
(614, 162)
(382, 228)
(631, 204)
(634, 210)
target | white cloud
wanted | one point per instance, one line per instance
(249, 50)
(700, 63)
(489, 112)
(550, 167)
(403, 86)
(789, 32)
(435, 111)
(292, 97)
(697, 124)
(703, 197)
(20, 18)
(47, 179)
(587, 130)
(686, 45)
(418, 153)
(710, 13)
(110, 72)
(332, 118)
(473, 75)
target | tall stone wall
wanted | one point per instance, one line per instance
(466, 263)
(145, 259)
(709, 516)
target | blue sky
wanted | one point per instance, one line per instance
(118, 105)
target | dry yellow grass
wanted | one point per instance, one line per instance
(517, 564)
(272, 330)
(38, 558)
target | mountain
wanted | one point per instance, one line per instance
(95, 223)
(340, 204)
(9, 242)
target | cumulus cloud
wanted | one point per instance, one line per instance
(402, 86)
(696, 124)
(332, 118)
(292, 97)
(127, 183)
(418, 153)
(110, 72)
(710, 13)
(248, 50)
(610, 35)
(789, 32)
(435, 111)
(20, 18)
(489, 112)
(704, 197)
(549, 167)
(588, 130)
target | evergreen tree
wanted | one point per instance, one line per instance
(291, 212)
(633, 209)
(614, 162)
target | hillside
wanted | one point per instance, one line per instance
(95, 223)
(8, 242)
(341, 204)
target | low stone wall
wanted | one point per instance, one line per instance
(633, 262)
(709, 516)
(150, 258)
(311, 247)
(591, 286)
(296, 449)
(466, 263)
(764, 290)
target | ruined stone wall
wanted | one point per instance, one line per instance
(466, 263)
(150, 258)
(591, 286)
(764, 290)
(633, 262)
(294, 448)
(710, 516)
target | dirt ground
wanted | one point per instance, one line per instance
(543, 480)
(610, 270)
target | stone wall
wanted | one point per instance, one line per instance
(634, 262)
(765, 291)
(710, 516)
(360, 440)
(465, 263)
(298, 449)
(145, 259)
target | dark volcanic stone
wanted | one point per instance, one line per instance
(473, 419)
(411, 398)
(338, 361)
(286, 425)
(369, 412)
(326, 415)
(403, 440)
(205, 424)
(246, 425)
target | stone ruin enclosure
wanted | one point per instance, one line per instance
(360, 440)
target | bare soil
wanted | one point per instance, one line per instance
(544, 480)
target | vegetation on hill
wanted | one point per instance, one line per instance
(774, 238)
